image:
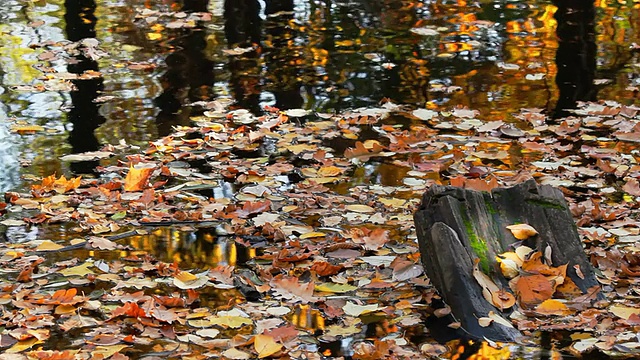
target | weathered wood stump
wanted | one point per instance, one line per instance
(455, 226)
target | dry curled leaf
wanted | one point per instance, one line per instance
(522, 231)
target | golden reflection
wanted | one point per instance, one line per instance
(305, 317)
(199, 248)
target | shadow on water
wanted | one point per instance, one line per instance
(576, 54)
(84, 114)
(189, 74)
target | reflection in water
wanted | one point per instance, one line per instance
(193, 249)
(576, 54)
(189, 76)
(279, 58)
(84, 115)
(242, 28)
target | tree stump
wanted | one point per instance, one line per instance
(456, 226)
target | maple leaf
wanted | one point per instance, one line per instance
(137, 179)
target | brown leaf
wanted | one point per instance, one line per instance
(323, 268)
(291, 289)
(533, 289)
(632, 187)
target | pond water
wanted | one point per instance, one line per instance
(140, 67)
(156, 58)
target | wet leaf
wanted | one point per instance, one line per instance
(552, 307)
(265, 345)
(137, 178)
(353, 309)
(624, 311)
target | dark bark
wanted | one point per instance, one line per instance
(457, 226)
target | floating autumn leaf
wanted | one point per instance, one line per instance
(101, 243)
(323, 268)
(290, 288)
(624, 311)
(353, 309)
(66, 297)
(129, 309)
(363, 153)
(185, 280)
(359, 208)
(552, 307)
(26, 129)
(59, 185)
(335, 288)
(522, 231)
(104, 352)
(265, 345)
(48, 245)
(371, 239)
(137, 179)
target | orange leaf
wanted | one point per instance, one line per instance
(552, 307)
(65, 297)
(361, 152)
(129, 309)
(137, 179)
(533, 289)
(323, 268)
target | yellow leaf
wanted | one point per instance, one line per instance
(27, 129)
(154, 36)
(360, 208)
(185, 280)
(23, 345)
(509, 268)
(80, 270)
(186, 277)
(329, 171)
(553, 307)
(137, 179)
(48, 245)
(335, 288)
(65, 309)
(104, 352)
(313, 234)
(623, 311)
(522, 231)
(230, 321)
(265, 345)
(523, 252)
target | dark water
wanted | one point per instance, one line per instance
(158, 58)
(326, 56)
(142, 65)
